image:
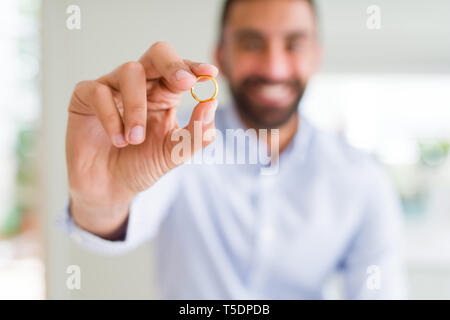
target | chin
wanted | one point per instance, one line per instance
(271, 117)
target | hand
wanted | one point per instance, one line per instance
(119, 133)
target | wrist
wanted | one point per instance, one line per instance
(101, 218)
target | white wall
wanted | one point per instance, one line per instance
(414, 38)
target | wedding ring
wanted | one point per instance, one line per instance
(216, 89)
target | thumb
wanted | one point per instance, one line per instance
(199, 133)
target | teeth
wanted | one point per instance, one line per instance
(274, 91)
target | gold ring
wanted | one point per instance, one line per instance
(216, 89)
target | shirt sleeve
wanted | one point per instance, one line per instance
(373, 267)
(147, 210)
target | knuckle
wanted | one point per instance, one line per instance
(174, 65)
(158, 45)
(99, 90)
(81, 85)
(81, 96)
(133, 67)
(134, 110)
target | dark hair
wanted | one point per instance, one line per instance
(226, 12)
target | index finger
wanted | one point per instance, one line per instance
(161, 60)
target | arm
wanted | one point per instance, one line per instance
(146, 212)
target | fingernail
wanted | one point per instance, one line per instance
(137, 134)
(119, 140)
(208, 116)
(206, 65)
(182, 74)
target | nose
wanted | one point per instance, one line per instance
(275, 63)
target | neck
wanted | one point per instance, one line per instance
(286, 131)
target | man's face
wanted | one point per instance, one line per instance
(269, 52)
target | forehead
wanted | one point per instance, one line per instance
(271, 16)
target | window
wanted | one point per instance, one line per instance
(21, 267)
(404, 120)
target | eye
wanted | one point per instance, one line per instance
(294, 45)
(252, 44)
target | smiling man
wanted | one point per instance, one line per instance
(226, 231)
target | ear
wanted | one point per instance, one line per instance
(218, 58)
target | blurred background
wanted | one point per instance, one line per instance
(386, 90)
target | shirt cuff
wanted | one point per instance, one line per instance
(91, 241)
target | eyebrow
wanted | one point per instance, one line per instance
(297, 35)
(251, 33)
(248, 33)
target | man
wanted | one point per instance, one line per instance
(227, 231)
